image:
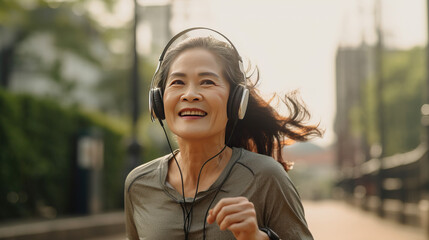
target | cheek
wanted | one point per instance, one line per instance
(169, 104)
(222, 105)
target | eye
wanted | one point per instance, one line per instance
(207, 82)
(177, 82)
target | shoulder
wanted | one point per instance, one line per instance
(261, 164)
(266, 170)
(150, 168)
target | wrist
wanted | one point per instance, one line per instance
(269, 233)
(263, 235)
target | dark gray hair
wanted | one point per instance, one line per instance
(227, 56)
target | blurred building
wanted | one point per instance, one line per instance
(153, 29)
(57, 71)
(354, 66)
(160, 20)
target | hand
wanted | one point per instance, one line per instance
(238, 215)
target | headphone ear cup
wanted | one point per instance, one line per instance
(242, 108)
(230, 104)
(234, 103)
(157, 104)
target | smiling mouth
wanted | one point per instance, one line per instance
(192, 113)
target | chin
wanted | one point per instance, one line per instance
(196, 133)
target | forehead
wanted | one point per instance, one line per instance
(196, 59)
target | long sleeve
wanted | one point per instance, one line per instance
(130, 227)
(286, 213)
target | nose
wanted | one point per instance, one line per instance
(191, 94)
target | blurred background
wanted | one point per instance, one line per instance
(74, 80)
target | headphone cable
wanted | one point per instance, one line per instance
(187, 218)
(182, 205)
(223, 181)
(198, 183)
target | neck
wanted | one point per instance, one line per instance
(193, 155)
(191, 159)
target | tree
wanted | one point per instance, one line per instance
(39, 39)
(402, 97)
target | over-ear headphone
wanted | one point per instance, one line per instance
(237, 101)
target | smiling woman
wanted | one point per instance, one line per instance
(195, 86)
(222, 182)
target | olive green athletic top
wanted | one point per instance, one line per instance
(153, 210)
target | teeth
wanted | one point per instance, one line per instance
(193, 113)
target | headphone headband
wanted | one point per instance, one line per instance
(161, 58)
(178, 35)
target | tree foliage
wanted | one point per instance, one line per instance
(38, 40)
(39, 37)
(402, 97)
(37, 153)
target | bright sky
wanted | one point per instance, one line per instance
(294, 42)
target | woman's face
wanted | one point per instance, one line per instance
(196, 96)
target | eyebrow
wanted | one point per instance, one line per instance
(208, 74)
(202, 74)
(177, 74)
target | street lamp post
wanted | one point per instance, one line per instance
(134, 147)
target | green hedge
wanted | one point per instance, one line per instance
(37, 152)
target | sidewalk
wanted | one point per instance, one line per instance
(99, 225)
(331, 220)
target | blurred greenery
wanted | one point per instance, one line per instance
(39, 37)
(22, 20)
(37, 150)
(402, 96)
(67, 45)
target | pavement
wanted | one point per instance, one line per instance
(79, 227)
(331, 220)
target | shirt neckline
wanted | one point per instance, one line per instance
(173, 193)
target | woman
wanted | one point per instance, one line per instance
(222, 182)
